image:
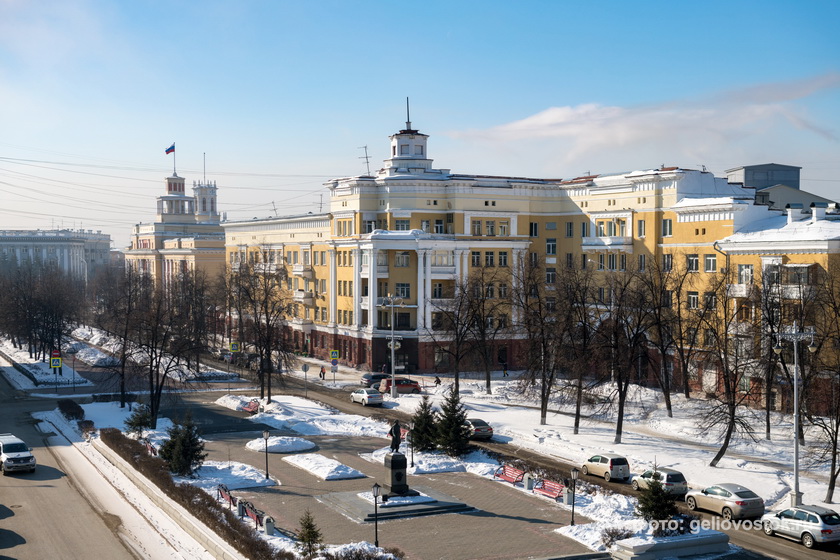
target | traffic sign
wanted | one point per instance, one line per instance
(304, 368)
(395, 337)
(55, 363)
(55, 353)
(333, 354)
(234, 347)
(334, 369)
(334, 363)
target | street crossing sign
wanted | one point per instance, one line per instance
(55, 363)
(333, 354)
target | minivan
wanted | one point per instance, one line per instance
(607, 465)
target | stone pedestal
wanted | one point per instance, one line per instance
(396, 464)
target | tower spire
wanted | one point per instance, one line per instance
(407, 115)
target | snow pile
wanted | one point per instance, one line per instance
(323, 467)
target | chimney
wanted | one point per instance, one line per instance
(792, 208)
(818, 211)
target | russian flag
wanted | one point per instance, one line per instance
(171, 149)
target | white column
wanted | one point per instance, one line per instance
(333, 289)
(357, 288)
(422, 276)
(372, 287)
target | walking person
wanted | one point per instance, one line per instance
(437, 381)
(323, 373)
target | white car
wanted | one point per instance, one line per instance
(15, 455)
(366, 396)
(810, 525)
(672, 480)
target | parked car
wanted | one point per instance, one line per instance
(732, 501)
(672, 480)
(371, 379)
(609, 466)
(404, 385)
(15, 455)
(366, 396)
(810, 525)
(479, 429)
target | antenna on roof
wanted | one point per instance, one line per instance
(321, 204)
(275, 208)
(407, 116)
(703, 167)
(205, 166)
(366, 158)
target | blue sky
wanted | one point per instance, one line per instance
(280, 96)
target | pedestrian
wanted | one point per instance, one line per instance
(437, 381)
(504, 369)
(396, 434)
(323, 373)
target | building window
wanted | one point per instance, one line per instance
(503, 229)
(667, 227)
(533, 229)
(424, 225)
(489, 258)
(667, 298)
(745, 274)
(642, 262)
(403, 290)
(692, 263)
(503, 258)
(476, 258)
(667, 262)
(551, 246)
(583, 260)
(476, 227)
(551, 304)
(490, 291)
(437, 290)
(601, 261)
(693, 300)
(710, 262)
(402, 225)
(490, 227)
(570, 229)
(550, 275)
(710, 300)
(570, 260)
(438, 226)
(640, 228)
(611, 260)
(402, 259)
(503, 290)
(584, 229)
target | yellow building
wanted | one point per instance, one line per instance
(396, 242)
(185, 236)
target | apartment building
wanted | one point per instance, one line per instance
(81, 253)
(394, 243)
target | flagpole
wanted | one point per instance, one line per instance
(174, 173)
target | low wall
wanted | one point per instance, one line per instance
(214, 544)
(707, 542)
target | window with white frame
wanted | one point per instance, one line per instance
(437, 290)
(640, 228)
(692, 263)
(503, 228)
(402, 259)
(693, 300)
(503, 258)
(745, 273)
(642, 262)
(403, 290)
(490, 227)
(475, 258)
(402, 225)
(667, 227)
(476, 227)
(550, 275)
(551, 246)
(438, 226)
(570, 229)
(489, 258)
(667, 262)
(533, 229)
(710, 263)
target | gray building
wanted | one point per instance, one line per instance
(765, 175)
(80, 252)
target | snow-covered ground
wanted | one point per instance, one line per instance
(650, 437)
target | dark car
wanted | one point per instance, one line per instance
(371, 379)
(479, 429)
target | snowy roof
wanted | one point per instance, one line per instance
(777, 229)
(710, 202)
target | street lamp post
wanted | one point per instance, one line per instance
(393, 345)
(265, 437)
(575, 474)
(795, 336)
(375, 491)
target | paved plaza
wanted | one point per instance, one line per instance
(506, 523)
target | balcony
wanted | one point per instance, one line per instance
(614, 243)
(306, 298)
(792, 291)
(740, 290)
(302, 270)
(381, 270)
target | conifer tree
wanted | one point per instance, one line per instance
(309, 537)
(656, 504)
(424, 426)
(139, 420)
(184, 450)
(453, 435)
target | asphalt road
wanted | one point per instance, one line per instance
(43, 514)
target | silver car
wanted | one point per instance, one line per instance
(366, 397)
(807, 524)
(731, 501)
(672, 480)
(607, 465)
